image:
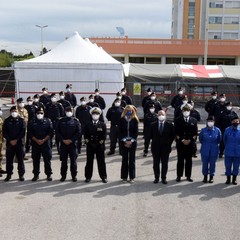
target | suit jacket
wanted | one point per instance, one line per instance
(164, 140)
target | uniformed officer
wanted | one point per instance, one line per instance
(37, 103)
(113, 115)
(95, 136)
(186, 130)
(91, 102)
(1, 143)
(152, 101)
(147, 97)
(99, 99)
(14, 128)
(125, 97)
(69, 96)
(41, 132)
(45, 98)
(177, 101)
(122, 102)
(68, 132)
(210, 105)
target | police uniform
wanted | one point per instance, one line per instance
(146, 98)
(45, 98)
(211, 104)
(91, 102)
(95, 136)
(40, 132)
(100, 100)
(68, 131)
(176, 103)
(1, 144)
(65, 103)
(125, 97)
(70, 97)
(14, 129)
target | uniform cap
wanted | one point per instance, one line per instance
(13, 108)
(40, 109)
(185, 97)
(82, 99)
(234, 118)
(210, 118)
(117, 100)
(151, 106)
(180, 89)
(222, 95)
(153, 94)
(149, 90)
(68, 109)
(123, 89)
(36, 96)
(69, 86)
(53, 95)
(228, 104)
(61, 93)
(96, 90)
(29, 98)
(95, 110)
(19, 100)
(118, 94)
(91, 96)
(214, 93)
(44, 89)
(186, 108)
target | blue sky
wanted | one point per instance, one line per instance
(91, 18)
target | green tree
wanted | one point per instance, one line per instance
(6, 60)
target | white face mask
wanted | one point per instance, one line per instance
(97, 93)
(95, 117)
(36, 100)
(153, 98)
(229, 108)
(91, 100)
(61, 97)
(69, 114)
(152, 110)
(222, 99)
(214, 97)
(117, 104)
(39, 116)
(83, 103)
(54, 99)
(21, 104)
(210, 124)
(1, 113)
(161, 118)
(149, 93)
(123, 93)
(14, 114)
(184, 101)
(68, 90)
(44, 92)
(30, 103)
(180, 92)
(186, 113)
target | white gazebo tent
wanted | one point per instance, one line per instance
(77, 61)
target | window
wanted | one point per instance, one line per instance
(216, 5)
(153, 60)
(231, 20)
(230, 35)
(214, 35)
(215, 20)
(136, 59)
(201, 93)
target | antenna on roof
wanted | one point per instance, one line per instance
(121, 31)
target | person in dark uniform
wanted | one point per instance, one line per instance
(113, 115)
(177, 101)
(147, 97)
(37, 103)
(99, 99)
(65, 103)
(151, 101)
(95, 136)
(14, 128)
(69, 96)
(31, 109)
(91, 102)
(54, 111)
(125, 97)
(128, 132)
(210, 105)
(178, 110)
(82, 113)
(162, 135)
(186, 131)
(149, 118)
(45, 98)
(225, 120)
(122, 102)
(68, 131)
(40, 132)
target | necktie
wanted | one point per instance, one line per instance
(186, 120)
(161, 128)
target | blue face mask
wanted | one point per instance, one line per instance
(129, 113)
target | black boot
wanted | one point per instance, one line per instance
(205, 179)
(9, 176)
(228, 180)
(211, 179)
(35, 178)
(234, 180)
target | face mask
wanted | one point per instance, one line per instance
(44, 92)
(14, 114)
(186, 113)
(95, 117)
(119, 97)
(117, 104)
(54, 99)
(184, 102)
(96, 93)
(161, 118)
(68, 90)
(36, 100)
(61, 97)
(129, 113)
(91, 100)
(214, 97)
(39, 116)
(1, 113)
(152, 110)
(235, 124)
(69, 114)
(21, 105)
(83, 103)
(180, 92)
(222, 99)
(30, 103)
(210, 124)
(229, 108)
(149, 93)
(123, 93)
(153, 98)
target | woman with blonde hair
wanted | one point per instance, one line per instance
(128, 132)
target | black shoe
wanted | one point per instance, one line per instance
(74, 179)
(27, 150)
(21, 178)
(49, 178)
(189, 179)
(220, 156)
(87, 180)
(164, 181)
(205, 179)
(110, 153)
(178, 179)
(79, 151)
(156, 180)
(0, 175)
(2, 171)
(234, 180)
(228, 180)
(145, 154)
(35, 178)
(25, 158)
(211, 179)
(104, 180)
(7, 178)
(62, 179)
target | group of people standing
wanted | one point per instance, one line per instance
(45, 122)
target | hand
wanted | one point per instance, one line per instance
(186, 142)
(40, 141)
(86, 141)
(101, 142)
(128, 144)
(13, 142)
(67, 141)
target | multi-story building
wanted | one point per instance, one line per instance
(192, 19)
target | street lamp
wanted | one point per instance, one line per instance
(41, 36)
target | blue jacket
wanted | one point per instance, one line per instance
(210, 139)
(232, 142)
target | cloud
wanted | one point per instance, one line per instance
(91, 18)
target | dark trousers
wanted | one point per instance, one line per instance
(43, 150)
(28, 142)
(147, 138)
(11, 151)
(184, 159)
(98, 149)
(161, 156)
(113, 135)
(128, 161)
(71, 152)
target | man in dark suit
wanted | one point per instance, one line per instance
(162, 135)
(186, 131)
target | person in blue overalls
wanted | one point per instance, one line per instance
(210, 138)
(231, 140)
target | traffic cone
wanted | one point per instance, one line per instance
(12, 100)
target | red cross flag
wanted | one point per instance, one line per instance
(201, 71)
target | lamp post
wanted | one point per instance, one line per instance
(41, 27)
(206, 34)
